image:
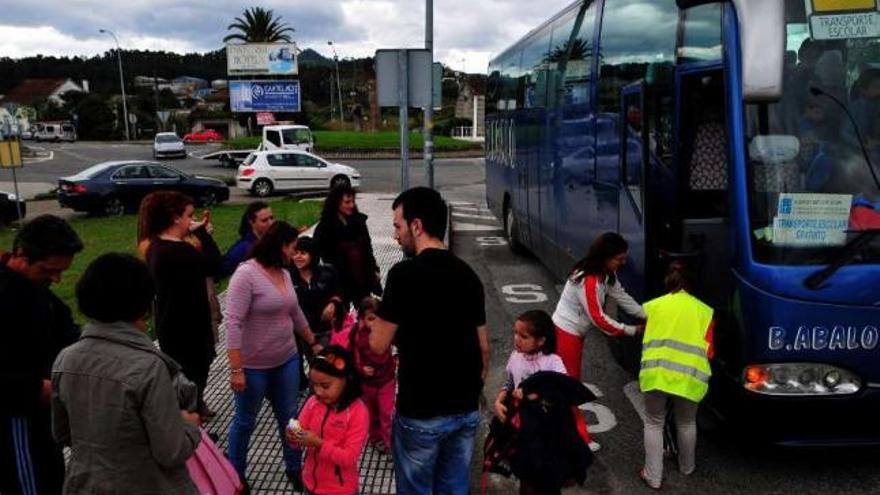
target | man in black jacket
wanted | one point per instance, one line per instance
(36, 326)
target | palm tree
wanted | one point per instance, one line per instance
(259, 25)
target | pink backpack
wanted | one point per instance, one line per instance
(211, 472)
(342, 336)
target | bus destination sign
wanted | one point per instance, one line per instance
(843, 19)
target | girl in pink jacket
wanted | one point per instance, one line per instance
(332, 426)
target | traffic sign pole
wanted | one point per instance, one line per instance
(403, 100)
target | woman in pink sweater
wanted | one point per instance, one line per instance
(261, 315)
(332, 426)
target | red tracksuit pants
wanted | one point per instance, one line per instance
(380, 403)
(571, 348)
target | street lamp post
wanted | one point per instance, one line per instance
(121, 79)
(338, 85)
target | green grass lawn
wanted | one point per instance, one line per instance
(118, 234)
(364, 141)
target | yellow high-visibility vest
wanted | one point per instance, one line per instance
(674, 348)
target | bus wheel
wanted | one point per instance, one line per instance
(511, 230)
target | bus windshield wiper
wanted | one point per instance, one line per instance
(840, 258)
(819, 92)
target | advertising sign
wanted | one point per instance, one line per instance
(264, 96)
(811, 219)
(261, 59)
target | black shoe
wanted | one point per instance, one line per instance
(295, 479)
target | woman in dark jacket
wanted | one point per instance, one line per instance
(344, 242)
(183, 312)
(317, 288)
(255, 221)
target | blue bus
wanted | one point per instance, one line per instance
(739, 135)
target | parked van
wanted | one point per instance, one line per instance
(55, 131)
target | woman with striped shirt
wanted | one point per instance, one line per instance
(262, 313)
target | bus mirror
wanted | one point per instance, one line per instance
(774, 150)
(762, 42)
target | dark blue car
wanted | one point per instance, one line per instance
(112, 188)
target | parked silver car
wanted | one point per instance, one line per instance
(167, 144)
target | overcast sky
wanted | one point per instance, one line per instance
(466, 32)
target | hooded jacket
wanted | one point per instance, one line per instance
(333, 468)
(115, 404)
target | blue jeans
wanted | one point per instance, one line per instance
(281, 386)
(434, 455)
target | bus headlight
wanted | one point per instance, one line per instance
(800, 379)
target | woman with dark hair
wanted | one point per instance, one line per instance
(344, 241)
(184, 322)
(581, 305)
(317, 287)
(262, 313)
(675, 370)
(113, 401)
(255, 221)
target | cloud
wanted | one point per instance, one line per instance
(469, 30)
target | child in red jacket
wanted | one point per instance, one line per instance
(332, 426)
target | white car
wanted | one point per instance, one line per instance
(264, 172)
(167, 144)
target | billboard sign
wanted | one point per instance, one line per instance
(264, 96)
(256, 59)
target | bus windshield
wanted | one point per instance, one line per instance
(811, 190)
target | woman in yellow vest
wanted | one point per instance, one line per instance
(675, 369)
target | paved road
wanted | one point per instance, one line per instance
(518, 283)
(70, 158)
(379, 176)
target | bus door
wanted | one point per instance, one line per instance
(702, 178)
(633, 158)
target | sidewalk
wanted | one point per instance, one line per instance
(265, 466)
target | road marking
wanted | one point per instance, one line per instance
(456, 214)
(636, 398)
(491, 241)
(473, 227)
(41, 159)
(605, 419)
(524, 293)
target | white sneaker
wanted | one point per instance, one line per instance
(594, 446)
